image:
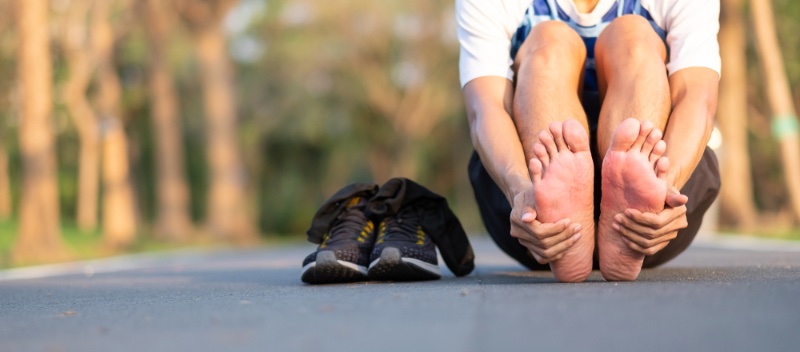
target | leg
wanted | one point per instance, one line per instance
(631, 73)
(554, 133)
(555, 54)
(636, 104)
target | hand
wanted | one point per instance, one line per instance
(648, 233)
(547, 242)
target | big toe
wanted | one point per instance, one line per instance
(625, 135)
(575, 136)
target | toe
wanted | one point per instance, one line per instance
(658, 151)
(650, 141)
(535, 168)
(624, 136)
(549, 143)
(662, 166)
(556, 129)
(575, 136)
(644, 131)
(541, 153)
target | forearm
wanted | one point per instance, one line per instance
(690, 126)
(494, 136)
(495, 139)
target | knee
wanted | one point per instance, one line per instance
(551, 43)
(630, 37)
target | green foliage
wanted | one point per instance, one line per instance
(319, 90)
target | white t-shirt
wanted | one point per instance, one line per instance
(485, 28)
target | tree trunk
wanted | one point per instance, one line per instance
(80, 65)
(736, 198)
(39, 236)
(785, 124)
(119, 214)
(227, 209)
(173, 222)
(5, 188)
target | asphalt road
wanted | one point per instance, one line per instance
(711, 298)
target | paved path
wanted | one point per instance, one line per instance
(709, 299)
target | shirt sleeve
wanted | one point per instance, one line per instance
(485, 43)
(692, 27)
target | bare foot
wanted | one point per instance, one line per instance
(634, 172)
(563, 181)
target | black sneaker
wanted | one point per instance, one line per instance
(343, 255)
(403, 251)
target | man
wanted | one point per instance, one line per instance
(567, 101)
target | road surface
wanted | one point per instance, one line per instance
(714, 297)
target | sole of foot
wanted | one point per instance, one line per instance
(563, 181)
(634, 177)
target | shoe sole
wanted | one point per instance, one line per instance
(329, 270)
(391, 266)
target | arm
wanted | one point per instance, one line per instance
(494, 136)
(694, 96)
(488, 102)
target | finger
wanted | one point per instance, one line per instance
(676, 200)
(521, 214)
(565, 235)
(643, 241)
(655, 221)
(546, 230)
(528, 216)
(645, 251)
(646, 231)
(552, 252)
(653, 231)
(535, 251)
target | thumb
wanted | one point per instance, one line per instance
(528, 214)
(675, 200)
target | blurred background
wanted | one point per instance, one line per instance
(130, 125)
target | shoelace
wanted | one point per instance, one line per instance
(348, 226)
(403, 225)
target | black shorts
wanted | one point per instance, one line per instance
(702, 188)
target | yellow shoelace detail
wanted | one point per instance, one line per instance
(365, 232)
(381, 232)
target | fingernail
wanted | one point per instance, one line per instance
(615, 226)
(576, 237)
(577, 228)
(618, 218)
(527, 217)
(629, 213)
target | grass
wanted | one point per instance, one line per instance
(89, 244)
(80, 244)
(789, 234)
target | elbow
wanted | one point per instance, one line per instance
(475, 121)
